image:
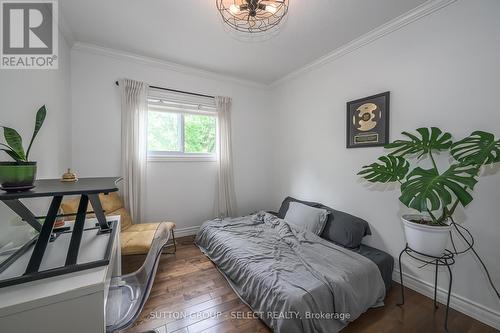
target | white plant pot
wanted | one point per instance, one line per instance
(426, 239)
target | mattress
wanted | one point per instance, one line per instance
(384, 262)
(294, 280)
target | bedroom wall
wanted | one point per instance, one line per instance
(22, 92)
(180, 191)
(442, 70)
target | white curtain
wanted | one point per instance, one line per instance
(134, 144)
(226, 196)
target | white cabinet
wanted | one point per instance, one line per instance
(73, 302)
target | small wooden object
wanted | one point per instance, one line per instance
(69, 176)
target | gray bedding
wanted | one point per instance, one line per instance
(295, 280)
(383, 260)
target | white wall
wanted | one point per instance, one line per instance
(22, 92)
(181, 191)
(442, 70)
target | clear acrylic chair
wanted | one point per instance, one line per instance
(128, 293)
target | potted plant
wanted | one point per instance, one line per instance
(434, 193)
(21, 174)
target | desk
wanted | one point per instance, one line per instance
(88, 189)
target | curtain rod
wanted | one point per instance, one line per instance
(175, 90)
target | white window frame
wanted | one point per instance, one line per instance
(186, 104)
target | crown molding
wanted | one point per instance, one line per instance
(413, 15)
(399, 22)
(65, 30)
(160, 63)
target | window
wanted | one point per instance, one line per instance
(181, 126)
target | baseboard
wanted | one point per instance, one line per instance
(188, 231)
(470, 308)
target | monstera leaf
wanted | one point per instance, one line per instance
(428, 190)
(479, 148)
(392, 168)
(39, 119)
(432, 139)
(14, 141)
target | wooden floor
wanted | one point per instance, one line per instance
(189, 295)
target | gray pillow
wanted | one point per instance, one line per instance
(306, 217)
(341, 228)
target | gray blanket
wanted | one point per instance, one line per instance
(294, 280)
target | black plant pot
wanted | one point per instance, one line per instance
(17, 176)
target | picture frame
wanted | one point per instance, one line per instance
(368, 121)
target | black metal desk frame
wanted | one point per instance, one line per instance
(89, 190)
(447, 259)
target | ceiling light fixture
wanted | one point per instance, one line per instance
(252, 16)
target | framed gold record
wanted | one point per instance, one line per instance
(368, 121)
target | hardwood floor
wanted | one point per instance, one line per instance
(189, 295)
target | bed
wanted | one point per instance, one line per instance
(293, 279)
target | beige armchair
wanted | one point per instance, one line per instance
(134, 238)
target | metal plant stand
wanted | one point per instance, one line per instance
(447, 259)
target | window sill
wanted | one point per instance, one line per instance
(181, 158)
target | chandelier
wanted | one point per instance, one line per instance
(252, 16)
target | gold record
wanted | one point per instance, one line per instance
(366, 113)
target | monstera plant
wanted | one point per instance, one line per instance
(433, 192)
(20, 174)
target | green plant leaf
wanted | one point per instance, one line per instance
(13, 154)
(3, 144)
(479, 148)
(392, 169)
(14, 141)
(432, 139)
(39, 119)
(428, 190)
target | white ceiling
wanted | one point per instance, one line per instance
(190, 32)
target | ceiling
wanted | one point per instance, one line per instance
(190, 32)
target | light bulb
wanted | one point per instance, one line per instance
(234, 9)
(271, 9)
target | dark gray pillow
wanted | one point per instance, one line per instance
(341, 228)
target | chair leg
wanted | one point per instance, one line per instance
(173, 240)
